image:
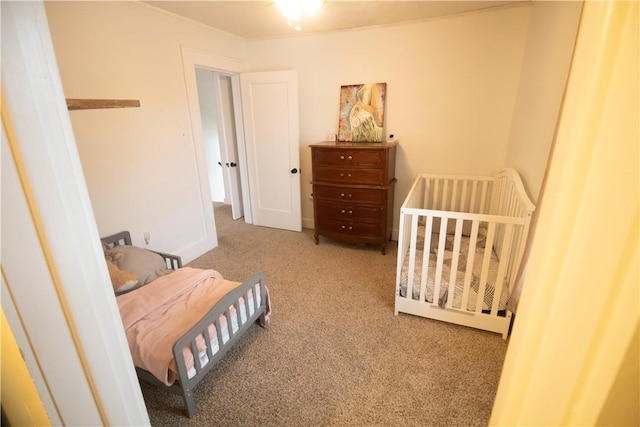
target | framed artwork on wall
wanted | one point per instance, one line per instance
(361, 116)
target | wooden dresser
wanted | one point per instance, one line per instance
(353, 191)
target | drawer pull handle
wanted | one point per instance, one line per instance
(341, 157)
(341, 174)
(342, 211)
(350, 212)
(350, 157)
(341, 194)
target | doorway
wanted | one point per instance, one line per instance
(246, 155)
(217, 115)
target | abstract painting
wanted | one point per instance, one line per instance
(362, 112)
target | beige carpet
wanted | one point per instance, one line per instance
(335, 353)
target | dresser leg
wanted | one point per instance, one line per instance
(315, 237)
(384, 249)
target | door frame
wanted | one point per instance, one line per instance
(192, 59)
(229, 146)
(217, 106)
(77, 343)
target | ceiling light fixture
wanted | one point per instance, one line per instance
(295, 10)
(294, 25)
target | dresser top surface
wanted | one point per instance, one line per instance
(363, 145)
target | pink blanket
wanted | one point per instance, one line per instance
(158, 314)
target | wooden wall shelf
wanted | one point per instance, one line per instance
(93, 104)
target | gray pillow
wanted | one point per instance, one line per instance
(146, 264)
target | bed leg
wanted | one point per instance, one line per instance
(187, 396)
(264, 321)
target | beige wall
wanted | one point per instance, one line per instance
(458, 89)
(550, 40)
(451, 89)
(140, 164)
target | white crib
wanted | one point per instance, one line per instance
(446, 222)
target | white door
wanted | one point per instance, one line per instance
(270, 112)
(228, 146)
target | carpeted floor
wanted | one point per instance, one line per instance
(335, 353)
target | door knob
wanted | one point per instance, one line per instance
(294, 170)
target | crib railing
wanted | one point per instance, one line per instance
(455, 205)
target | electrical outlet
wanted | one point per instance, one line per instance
(147, 238)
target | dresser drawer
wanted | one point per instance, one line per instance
(349, 175)
(330, 225)
(349, 195)
(344, 212)
(346, 157)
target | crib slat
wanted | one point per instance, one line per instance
(426, 253)
(504, 261)
(402, 250)
(512, 204)
(412, 256)
(440, 260)
(483, 198)
(463, 198)
(445, 194)
(453, 276)
(473, 201)
(516, 250)
(475, 226)
(486, 260)
(454, 206)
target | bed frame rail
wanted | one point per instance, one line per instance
(173, 262)
(240, 297)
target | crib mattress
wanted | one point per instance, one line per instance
(464, 254)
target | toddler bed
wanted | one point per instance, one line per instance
(461, 241)
(182, 320)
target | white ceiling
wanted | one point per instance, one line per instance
(262, 19)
